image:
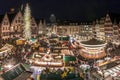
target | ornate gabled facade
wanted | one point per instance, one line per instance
(17, 23)
(42, 27)
(102, 30)
(5, 26)
(86, 31)
(34, 28)
(97, 29)
(83, 30)
(66, 29)
(12, 24)
(108, 27)
(115, 31)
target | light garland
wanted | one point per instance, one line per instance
(85, 45)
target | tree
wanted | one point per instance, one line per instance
(27, 23)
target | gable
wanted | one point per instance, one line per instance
(33, 22)
(5, 20)
(18, 18)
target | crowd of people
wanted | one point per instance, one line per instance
(112, 49)
(60, 74)
(24, 51)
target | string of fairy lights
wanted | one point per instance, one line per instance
(27, 23)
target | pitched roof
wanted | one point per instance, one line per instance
(15, 73)
(93, 41)
(24, 75)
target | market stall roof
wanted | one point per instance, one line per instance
(6, 48)
(17, 72)
(93, 41)
(24, 76)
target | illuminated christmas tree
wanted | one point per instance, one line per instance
(27, 22)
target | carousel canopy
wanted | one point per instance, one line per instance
(93, 41)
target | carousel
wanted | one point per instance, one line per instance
(92, 49)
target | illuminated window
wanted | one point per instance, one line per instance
(12, 28)
(19, 29)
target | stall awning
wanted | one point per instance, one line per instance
(17, 71)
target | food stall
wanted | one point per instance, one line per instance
(20, 41)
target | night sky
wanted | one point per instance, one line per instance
(76, 10)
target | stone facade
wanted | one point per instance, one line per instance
(12, 25)
(108, 27)
(17, 23)
(5, 25)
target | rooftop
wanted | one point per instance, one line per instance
(93, 41)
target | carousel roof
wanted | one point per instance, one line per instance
(93, 41)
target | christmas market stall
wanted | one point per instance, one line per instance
(20, 41)
(6, 50)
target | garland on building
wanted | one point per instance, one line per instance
(27, 23)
